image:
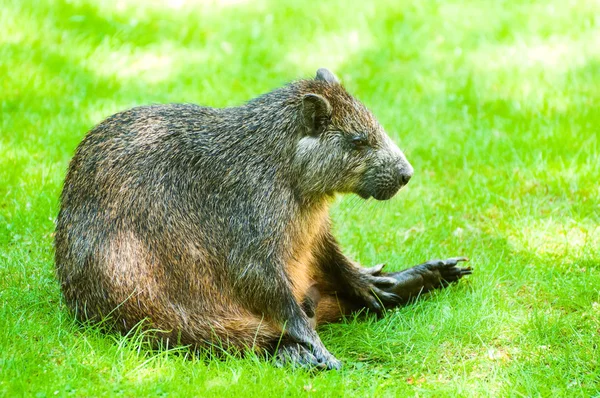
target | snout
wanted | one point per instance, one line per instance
(401, 175)
(383, 183)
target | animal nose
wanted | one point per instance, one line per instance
(405, 178)
(405, 172)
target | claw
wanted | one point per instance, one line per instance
(390, 298)
(333, 364)
(454, 273)
(298, 356)
(459, 271)
(374, 270)
(375, 305)
(382, 281)
(448, 263)
(455, 260)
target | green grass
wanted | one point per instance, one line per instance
(495, 104)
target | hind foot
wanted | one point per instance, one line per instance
(299, 356)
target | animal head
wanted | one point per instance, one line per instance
(342, 147)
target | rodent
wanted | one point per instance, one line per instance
(212, 225)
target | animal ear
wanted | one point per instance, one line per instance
(316, 111)
(325, 75)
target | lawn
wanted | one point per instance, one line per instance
(494, 103)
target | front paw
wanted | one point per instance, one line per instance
(425, 277)
(406, 285)
(373, 289)
(440, 273)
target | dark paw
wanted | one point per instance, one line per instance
(299, 356)
(411, 283)
(444, 272)
(374, 289)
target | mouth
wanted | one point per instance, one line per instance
(385, 195)
(364, 195)
(378, 194)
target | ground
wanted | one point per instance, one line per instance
(494, 103)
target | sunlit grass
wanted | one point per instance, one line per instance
(495, 104)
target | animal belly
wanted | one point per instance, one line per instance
(300, 271)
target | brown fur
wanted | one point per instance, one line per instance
(212, 225)
(301, 265)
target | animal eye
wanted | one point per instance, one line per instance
(359, 141)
